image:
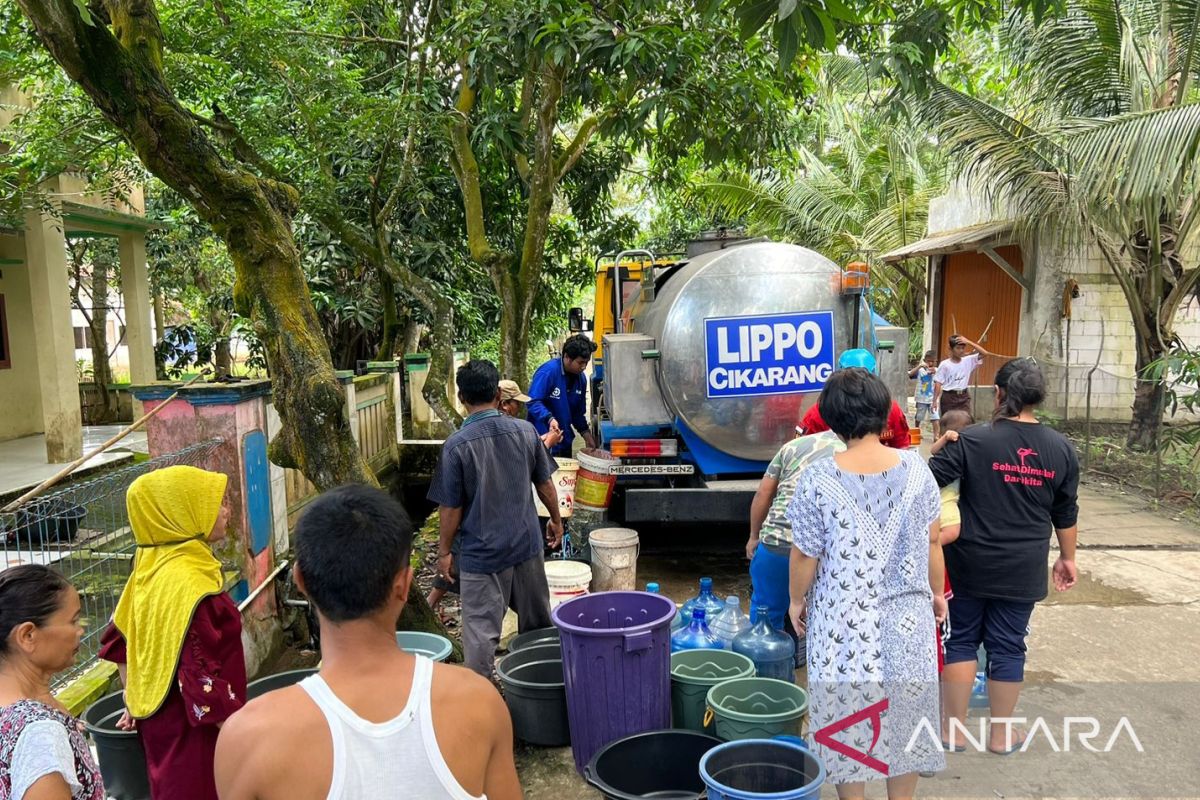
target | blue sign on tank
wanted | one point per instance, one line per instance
(773, 354)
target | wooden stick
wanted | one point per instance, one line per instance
(67, 470)
(954, 324)
(983, 336)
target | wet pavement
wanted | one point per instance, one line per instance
(1124, 643)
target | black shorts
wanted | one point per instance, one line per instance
(999, 625)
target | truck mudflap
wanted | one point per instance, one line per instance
(719, 501)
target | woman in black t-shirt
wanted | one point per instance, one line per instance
(1018, 481)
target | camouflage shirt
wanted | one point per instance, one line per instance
(786, 467)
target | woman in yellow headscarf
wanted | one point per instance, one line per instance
(175, 633)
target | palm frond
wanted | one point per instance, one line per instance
(1074, 62)
(1183, 17)
(843, 75)
(1145, 159)
(1011, 162)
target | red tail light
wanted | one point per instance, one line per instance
(643, 448)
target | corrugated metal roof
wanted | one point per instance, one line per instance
(954, 241)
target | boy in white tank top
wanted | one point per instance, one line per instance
(376, 722)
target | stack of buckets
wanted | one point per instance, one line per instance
(620, 678)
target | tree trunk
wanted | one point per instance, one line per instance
(160, 317)
(1148, 399)
(413, 331)
(98, 330)
(121, 71)
(391, 320)
(222, 358)
(514, 340)
(441, 369)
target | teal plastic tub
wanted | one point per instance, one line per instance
(430, 645)
(693, 673)
(756, 708)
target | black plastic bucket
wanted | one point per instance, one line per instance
(279, 680)
(536, 695)
(663, 764)
(122, 762)
(540, 636)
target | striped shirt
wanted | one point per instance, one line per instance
(486, 469)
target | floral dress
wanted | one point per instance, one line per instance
(872, 659)
(180, 738)
(73, 761)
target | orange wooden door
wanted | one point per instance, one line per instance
(974, 290)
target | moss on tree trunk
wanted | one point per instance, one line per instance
(121, 71)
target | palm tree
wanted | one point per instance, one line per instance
(1102, 153)
(862, 186)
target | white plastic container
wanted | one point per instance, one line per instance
(567, 580)
(614, 559)
(564, 484)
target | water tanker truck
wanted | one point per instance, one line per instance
(708, 361)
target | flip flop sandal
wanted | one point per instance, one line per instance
(1016, 747)
(955, 749)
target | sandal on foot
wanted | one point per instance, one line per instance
(1012, 749)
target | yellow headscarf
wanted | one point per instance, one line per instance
(172, 512)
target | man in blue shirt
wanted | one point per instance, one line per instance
(558, 394)
(488, 527)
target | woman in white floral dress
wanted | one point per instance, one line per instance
(868, 560)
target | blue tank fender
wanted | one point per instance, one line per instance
(710, 461)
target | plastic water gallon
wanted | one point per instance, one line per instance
(711, 604)
(772, 651)
(695, 636)
(730, 623)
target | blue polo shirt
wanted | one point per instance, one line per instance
(554, 393)
(487, 468)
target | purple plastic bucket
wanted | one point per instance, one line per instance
(616, 652)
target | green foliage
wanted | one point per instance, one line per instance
(900, 39)
(1179, 371)
(1097, 146)
(53, 127)
(861, 187)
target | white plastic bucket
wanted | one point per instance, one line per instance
(595, 481)
(614, 559)
(564, 484)
(567, 580)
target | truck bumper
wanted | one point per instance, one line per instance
(720, 501)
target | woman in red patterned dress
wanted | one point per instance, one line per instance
(43, 755)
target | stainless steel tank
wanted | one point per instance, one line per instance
(695, 319)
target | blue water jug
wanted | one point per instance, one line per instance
(695, 636)
(730, 623)
(773, 652)
(652, 588)
(711, 604)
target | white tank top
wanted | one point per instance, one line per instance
(397, 758)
